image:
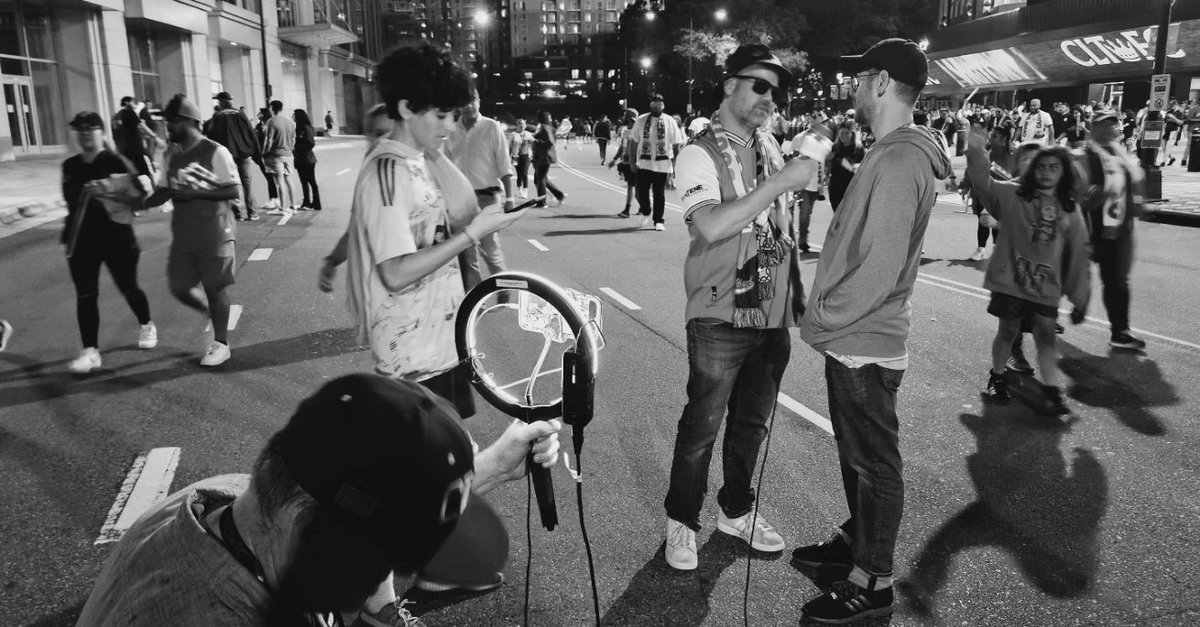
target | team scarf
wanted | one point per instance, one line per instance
(1122, 176)
(758, 257)
(660, 146)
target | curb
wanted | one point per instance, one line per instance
(1167, 215)
(10, 214)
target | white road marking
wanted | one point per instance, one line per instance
(587, 177)
(538, 245)
(260, 254)
(806, 413)
(148, 481)
(630, 305)
(285, 218)
(235, 314)
(341, 172)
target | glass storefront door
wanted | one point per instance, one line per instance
(18, 106)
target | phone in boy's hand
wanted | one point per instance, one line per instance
(527, 204)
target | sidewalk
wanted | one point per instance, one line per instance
(31, 190)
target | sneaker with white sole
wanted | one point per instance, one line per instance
(216, 354)
(763, 538)
(87, 361)
(978, 255)
(429, 585)
(147, 336)
(277, 212)
(659, 227)
(393, 614)
(680, 549)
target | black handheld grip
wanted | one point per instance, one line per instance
(543, 489)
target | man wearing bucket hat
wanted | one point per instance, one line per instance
(742, 280)
(859, 319)
(371, 475)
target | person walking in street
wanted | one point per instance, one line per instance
(328, 123)
(742, 279)
(1035, 125)
(306, 160)
(201, 179)
(260, 133)
(654, 142)
(859, 317)
(844, 160)
(478, 147)
(1191, 119)
(413, 214)
(1041, 256)
(1112, 204)
(603, 132)
(93, 238)
(230, 128)
(620, 159)
(279, 140)
(521, 150)
(564, 131)
(545, 154)
(129, 133)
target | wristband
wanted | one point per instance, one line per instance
(474, 241)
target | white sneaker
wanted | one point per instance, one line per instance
(87, 361)
(978, 256)
(523, 193)
(680, 550)
(272, 204)
(216, 355)
(659, 227)
(275, 211)
(645, 221)
(765, 538)
(147, 336)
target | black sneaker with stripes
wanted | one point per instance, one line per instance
(845, 602)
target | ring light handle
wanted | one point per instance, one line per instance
(543, 489)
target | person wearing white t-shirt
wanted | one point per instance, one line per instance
(653, 144)
(1035, 125)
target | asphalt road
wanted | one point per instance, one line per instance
(1011, 518)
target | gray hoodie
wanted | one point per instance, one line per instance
(859, 304)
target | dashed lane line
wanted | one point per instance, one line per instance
(341, 172)
(804, 412)
(538, 245)
(148, 481)
(260, 254)
(285, 219)
(625, 302)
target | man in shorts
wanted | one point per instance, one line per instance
(201, 178)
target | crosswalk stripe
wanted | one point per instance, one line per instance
(148, 481)
(628, 304)
(260, 254)
(538, 245)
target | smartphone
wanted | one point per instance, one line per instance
(527, 204)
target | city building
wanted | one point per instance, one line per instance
(1073, 51)
(58, 57)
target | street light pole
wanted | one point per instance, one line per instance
(1149, 156)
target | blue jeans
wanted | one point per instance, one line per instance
(734, 369)
(862, 408)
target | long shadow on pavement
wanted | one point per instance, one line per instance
(661, 595)
(597, 231)
(48, 381)
(1127, 383)
(1030, 504)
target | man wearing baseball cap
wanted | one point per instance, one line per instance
(742, 279)
(859, 320)
(371, 475)
(230, 128)
(200, 177)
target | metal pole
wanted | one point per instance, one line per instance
(691, 28)
(1149, 156)
(262, 32)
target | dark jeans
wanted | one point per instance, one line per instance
(981, 235)
(603, 144)
(308, 180)
(1115, 258)
(523, 171)
(243, 166)
(804, 217)
(647, 180)
(541, 178)
(85, 273)
(837, 190)
(862, 408)
(734, 369)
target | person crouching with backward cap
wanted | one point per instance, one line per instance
(371, 475)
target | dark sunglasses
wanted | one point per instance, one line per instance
(762, 86)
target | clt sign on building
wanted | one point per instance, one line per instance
(1076, 60)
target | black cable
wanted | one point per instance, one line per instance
(528, 539)
(586, 543)
(754, 519)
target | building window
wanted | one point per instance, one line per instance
(143, 61)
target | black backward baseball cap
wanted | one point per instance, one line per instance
(902, 58)
(87, 120)
(385, 457)
(757, 54)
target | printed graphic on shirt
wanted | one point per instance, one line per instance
(1030, 275)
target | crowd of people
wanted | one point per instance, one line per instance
(332, 509)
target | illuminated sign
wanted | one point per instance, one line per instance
(1129, 46)
(1006, 66)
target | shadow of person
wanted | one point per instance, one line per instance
(42, 383)
(1127, 383)
(661, 595)
(1030, 505)
(65, 617)
(980, 265)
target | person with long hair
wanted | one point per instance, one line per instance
(843, 161)
(1076, 132)
(94, 238)
(545, 154)
(306, 160)
(1041, 255)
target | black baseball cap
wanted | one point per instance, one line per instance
(656, 97)
(86, 121)
(387, 458)
(903, 60)
(757, 54)
(223, 96)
